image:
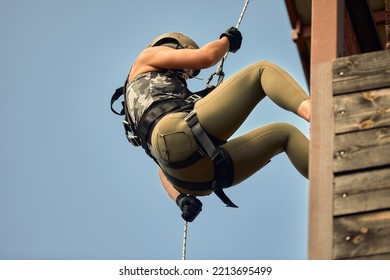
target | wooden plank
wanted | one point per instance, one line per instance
(321, 162)
(361, 72)
(361, 235)
(373, 257)
(362, 192)
(363, 110)
(363, 149)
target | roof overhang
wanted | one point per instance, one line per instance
(365, 26)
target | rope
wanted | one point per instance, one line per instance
(185, 241)
(221, 75)
(242, 14)
(219, 71)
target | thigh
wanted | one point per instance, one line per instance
(223, 110)
(172, 139)
(251, 151)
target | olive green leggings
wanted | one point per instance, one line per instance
(222, 112)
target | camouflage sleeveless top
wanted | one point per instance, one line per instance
(147, 88)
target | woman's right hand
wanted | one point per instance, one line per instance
(235, 38)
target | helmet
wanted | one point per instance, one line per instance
(174, 37)
(175, 40)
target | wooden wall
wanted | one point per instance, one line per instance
(361, 156)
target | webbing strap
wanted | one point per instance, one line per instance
(196, 186)
(221, 159)
(225, 199)
(201, 136)
(117, 94)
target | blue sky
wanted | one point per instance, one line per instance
(71, 187)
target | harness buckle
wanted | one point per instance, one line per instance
(193, 98)
(217, 158)
(190, 115)
(134, 140)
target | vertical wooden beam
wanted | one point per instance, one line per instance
(387, 24)
(327, 30)
(327, 44)
(321, 163)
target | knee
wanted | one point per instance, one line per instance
(285, 127)
(264, 64)
(291, 135)
(288, 133)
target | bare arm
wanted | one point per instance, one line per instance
(204, 57)
(162, 57)
(171, 191)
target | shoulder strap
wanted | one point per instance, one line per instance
(127, 122)
(117, 94)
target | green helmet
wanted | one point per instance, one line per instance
(175, 40)
(174, 37)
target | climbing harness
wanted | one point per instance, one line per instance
(219, 71)
(140, 136)
(223, 164)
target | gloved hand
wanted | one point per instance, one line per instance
(190, 206)
(235, 38)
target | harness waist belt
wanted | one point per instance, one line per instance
(223, 165)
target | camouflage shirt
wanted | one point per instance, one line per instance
(150, 87)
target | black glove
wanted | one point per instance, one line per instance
(190, 206)
(235, 38)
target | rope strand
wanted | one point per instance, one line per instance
(219, 71)
(185, 241)
(221, 75)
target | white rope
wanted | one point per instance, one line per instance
(185, 241)
(239, 21)
(242, 14)
(219, 70)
